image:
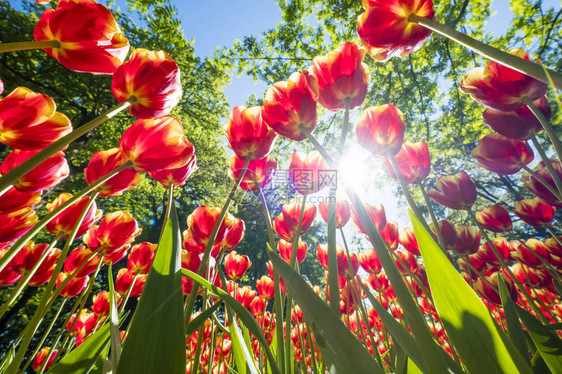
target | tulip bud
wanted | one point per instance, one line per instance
(46, 269)
(115, 230)
(523, 252)
(378, 281)
(125, 279)
(455, 191)
(390, 235)
(264, 286)
(502, 246)
(41, 356)
(202, 221)
(234, 235)
(285, 249)
(77, 258)
(491, 293)
(101, 304)
(153, 79)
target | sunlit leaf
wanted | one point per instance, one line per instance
(514, 329)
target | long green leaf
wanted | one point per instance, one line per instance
(242, 313)
(200, 319)
(156, 340)
(483, 348)
(547, 343)
(114, 323)
(338, 344)
(83, 358)
(514, 329)
(244, 359)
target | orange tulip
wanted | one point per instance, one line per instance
(343, 212)
(258, 173)
(89, 39)
(15, 224)
(534, 212)
(247, 133)
(502, 155)
(235, 265)
(41, 356)
(385, 31)
(290, 104)
(47, 174)
(536, 187)
(177, 176)
(141, 257)
(13, 200)
(413, 162)
(501, 88)
(381, 130)
(114, 231)
(455, 191)
(64, 222)
(341, 76)
(28, 120)
(495, 218)
(375, 212)
(519, 124)
(156, 144)
(285, 249)
(310, 173)
(153, 78)
(104, 162)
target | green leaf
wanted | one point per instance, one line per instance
(514, 329)
(412, 368)
(338, 344)
(242, 313)
(83, 357)
(114, 323)
(482, 347)
(200, 319)
(242, 356)
(547, 343)
(156, 340)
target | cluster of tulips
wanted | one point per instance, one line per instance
(392, 280)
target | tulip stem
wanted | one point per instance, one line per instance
(9, 255)
(211, 241)
(549, 166)
(128, 295)
(542, 181)
(433, 218)
(19, 171)
(25, 279)
(345, 126)
(24, 46)
(547, 127)
(521, 65)
(36, 319)
(293, 261)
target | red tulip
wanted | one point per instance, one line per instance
(285, 249)
(375, 212)
(343, 212)
(381, 130)
(247, 132)
(406, 259)
(455, 191)
(141, 257)
(1, 87)
(501, 88)
(28, 120)
(245, 295)
(344, 263)
(13, 200)
(114, 231)
(385, 31)
(41, 356)
(378, 281)
(76, 285)
(177, 176)
(310, 173)
(495, 218)
(84, 325)
(64, 222)
(202, 221)
(124, 280)
(475, 260)
(491, 293)
(116, 255)
(104, 162)
(409, 241)
(287, 222)
(524, 255)
(45, 270)
(448, 232)
(234, 235)
(369, 261)
(258, 173)
(153, 78)
(47, 174)
(156, 144)
(503, 247)
(390, 235)
(528, 276)
(534, 212)
(502, 155)
(341, 76)
(553, 246)
(15, 224)
(90, 40)
(536, 187)
(265, 288)
(7, 275)
(413, 162)
(77, 258)
(27, 257)
(290, 104)
(519, 124)
(101, 304)
(322, 255)
(468, 240)
(235, 265)
(257, 306)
